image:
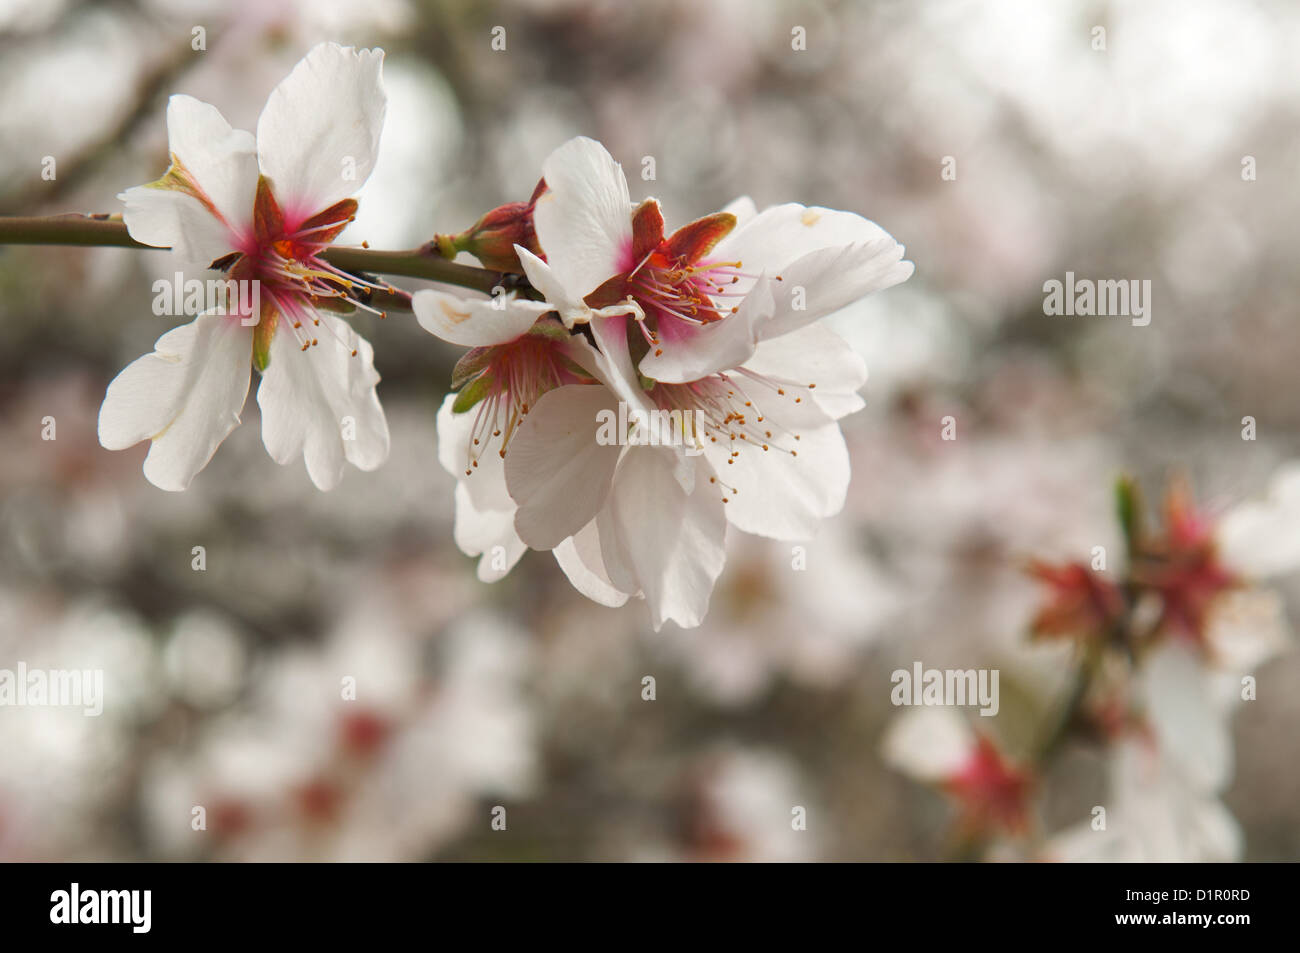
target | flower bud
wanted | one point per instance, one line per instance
(492, 239)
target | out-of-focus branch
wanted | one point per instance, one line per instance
(1068, 713)
(75, 169)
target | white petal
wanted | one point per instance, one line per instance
(815, 355)
(556, 470)
(611, 361)
(781, 234)
(186, 397)
(1081, 844)
(487, 533)
(1215, 836)
(584, 219)
(1262, 537)
(615, 554)
(1153, 816)
(475, 322)
(823, 281)
(928, 744)
(580, 558)
(321, 402)
(486, 483)
(166, 218)
(659, 540)
(318, 137)
(570, 307)
(773, 241)
(743, 209)
(1190, 729)
(221, 163)
(1162, 818)
(783, 492)
(1244, 630)
(485, 514)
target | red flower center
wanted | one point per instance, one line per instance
(992, 794)
(671, 278)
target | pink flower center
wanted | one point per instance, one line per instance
(673, 279)
(1183, 567)
(284, 255)
(992, 794)
(508, 380)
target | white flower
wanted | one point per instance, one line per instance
(1189, 689)
(708, 293)
(937, 746)
(485, 514)
(1155, 814)
(261, 210)
(931, 745)
(1189, 728)
(515, 358)
(1261, 538)
(1188, 692)
(651, 520)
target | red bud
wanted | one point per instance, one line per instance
(492, 239)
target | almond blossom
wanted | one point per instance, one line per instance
(1199, 625)
(1200, 621)
(643, 520)
(515, 357)
(262, 209)
(721, 266)
(712, 327)
(1164, 651)
(937, 746)
(1217, 625)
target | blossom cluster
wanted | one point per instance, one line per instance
(712, 326)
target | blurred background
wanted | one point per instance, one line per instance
(222, 686)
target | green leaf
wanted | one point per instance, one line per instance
(470, 396)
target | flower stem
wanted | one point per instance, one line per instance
(110, 230)
(1050, 745)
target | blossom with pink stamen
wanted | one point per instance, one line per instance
(767, 273)
(517, 354)
(936, 746)
(262, 209)
(712, 326)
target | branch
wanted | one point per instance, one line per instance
(110, 231)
